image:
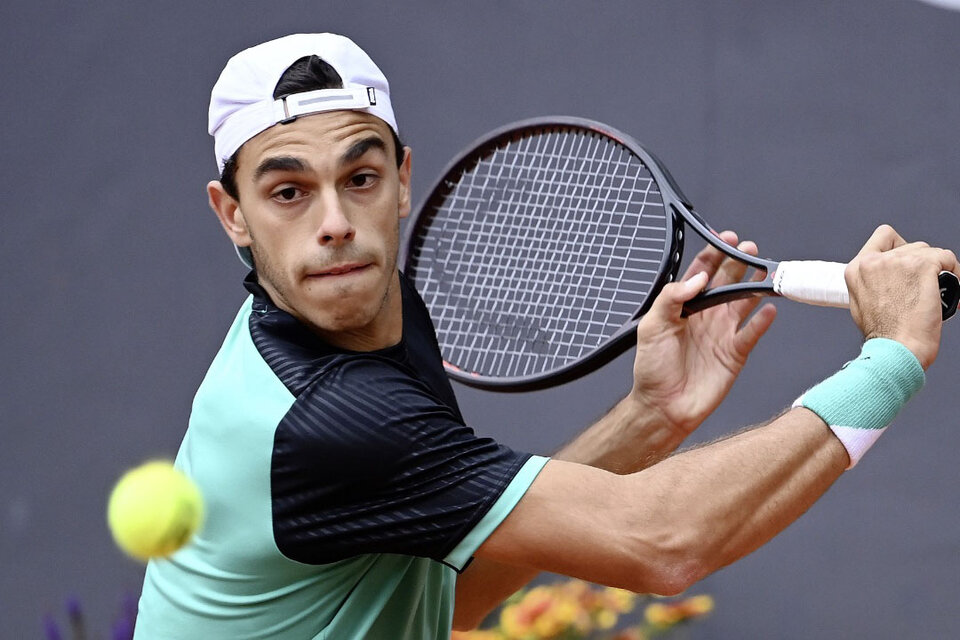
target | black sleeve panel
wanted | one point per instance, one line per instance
(369, 460)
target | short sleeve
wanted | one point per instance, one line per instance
(369, 460)
(461, 554)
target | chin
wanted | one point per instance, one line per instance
(344, 309)
(345, 319)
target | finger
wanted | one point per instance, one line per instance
(669, 304)
(948, 261)
(732, 270)
(743, 308)
(912, 247)
(946, 258)
(884, 238)
(709, 258)
(943, 259)
(751, 332)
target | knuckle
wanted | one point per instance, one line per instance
(850, 271)
(871, 261)
(913, 263)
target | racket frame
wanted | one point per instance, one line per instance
(673, 200)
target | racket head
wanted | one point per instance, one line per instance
(539, 247)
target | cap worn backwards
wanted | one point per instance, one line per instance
(242, 103)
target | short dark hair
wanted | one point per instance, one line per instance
(309, 73)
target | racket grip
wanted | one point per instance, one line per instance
(822, 283)
(812, 282)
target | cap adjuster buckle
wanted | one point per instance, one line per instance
(321, 100)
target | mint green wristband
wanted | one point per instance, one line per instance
(860, 400)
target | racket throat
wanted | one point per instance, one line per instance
(728, 293)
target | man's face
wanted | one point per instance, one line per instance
(320, 204)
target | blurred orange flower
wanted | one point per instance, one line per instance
(666, 614)
(574, 609)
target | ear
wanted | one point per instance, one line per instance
(405, 183)
(229, 214)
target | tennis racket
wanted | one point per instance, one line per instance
(540, 247)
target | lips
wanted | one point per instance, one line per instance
(339, 270)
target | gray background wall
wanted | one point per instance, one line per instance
(802, 124)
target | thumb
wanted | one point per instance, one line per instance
(669, 304)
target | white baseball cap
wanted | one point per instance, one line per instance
(242, 103)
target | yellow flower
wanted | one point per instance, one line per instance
(607, 619)
(620, 600)
(699, 605)
(660, 615)
(536, 601)
(514, 624)
(575, 588)
(577, 609)
(536, 614)
(548, 626)
(666, 615)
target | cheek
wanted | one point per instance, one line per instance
(388, 237)
(282, 236)
(378, 221)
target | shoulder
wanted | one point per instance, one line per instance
(364, 410)
(375, 380)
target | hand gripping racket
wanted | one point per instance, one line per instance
(541, 246)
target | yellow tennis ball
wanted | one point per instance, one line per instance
(154, 509)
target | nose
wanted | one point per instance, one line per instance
(335, 228)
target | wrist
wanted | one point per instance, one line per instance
(919, 349)
(644, 412)
(630, 437)
(860, 400)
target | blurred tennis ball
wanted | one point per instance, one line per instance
(154, 509)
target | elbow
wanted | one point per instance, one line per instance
(673, 577)
(671, 563)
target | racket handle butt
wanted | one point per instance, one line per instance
(949, 293)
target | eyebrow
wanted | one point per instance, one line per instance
(290, 163)
(279, 163)
(360, 147)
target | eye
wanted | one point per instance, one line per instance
(287, 194)
(362, 180)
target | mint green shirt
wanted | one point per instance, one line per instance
(233, 582)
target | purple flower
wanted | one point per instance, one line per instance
(51, 628)
(122, 629)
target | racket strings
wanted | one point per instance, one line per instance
(539, 252)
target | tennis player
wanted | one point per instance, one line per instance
(346, 498)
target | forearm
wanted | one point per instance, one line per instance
(707, 507)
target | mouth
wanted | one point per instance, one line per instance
(339, 270)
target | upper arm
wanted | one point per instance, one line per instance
(581, 521)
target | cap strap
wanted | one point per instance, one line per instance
(288, 108)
